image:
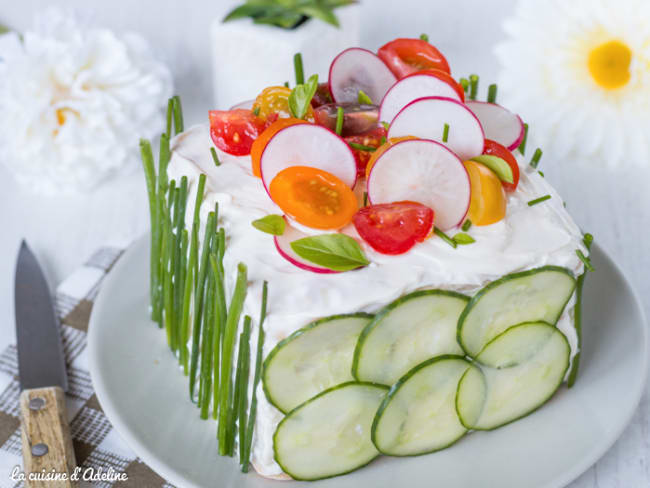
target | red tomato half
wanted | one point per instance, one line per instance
(495, 149)
(234, 131)
(406, 56)
(394, 228)
(371, 138)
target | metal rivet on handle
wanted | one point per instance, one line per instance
(39, 450)
(36, 403)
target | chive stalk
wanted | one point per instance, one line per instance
(473, 86)
(179, 260)
(466, 225)
(178, 115)
(170, 111)
(245, 354)
(256, 379)
(445, 133)
(424, 37)
(232, 320)
(492, 93)
(168, 251)
(215, 158)
(537, 155)
(339, 120)
(174, 241)
(187, 296)
(522, 146)
(220, 322)
(539, 200)
(464, 82)
(445, 237)
(207, 349)
(199, 294)
(585, 260)
(297, 66)
(362, 147)
(150, 178)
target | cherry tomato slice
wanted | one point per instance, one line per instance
(322, 95)
(394, 228)
(371, 138)
(487, 203)
(313, 197)
(260, 143)
(234, 131)
(495, 149)
(406, 56)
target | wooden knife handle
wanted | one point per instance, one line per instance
(47, 444)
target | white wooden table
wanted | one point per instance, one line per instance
(615, 207)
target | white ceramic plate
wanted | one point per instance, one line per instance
(144, 395)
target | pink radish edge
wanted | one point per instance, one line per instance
(356, 178)
(522, 131)
(449, 100)
(445, 147)
(283, 245)
(329, 72)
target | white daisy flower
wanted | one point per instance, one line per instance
(579, 72)
(74, 100)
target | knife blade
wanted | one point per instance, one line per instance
(40, 352)
(46, 442)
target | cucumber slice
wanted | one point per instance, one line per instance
(410, 330)
(329, 435)
(312, 359)
(514, 390)
(536, 295)
(418, 415)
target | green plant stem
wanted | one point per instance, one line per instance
(167, 264)
(150, 178)
(298, 68)
(242, 400)
(207, 350)
(232, 321)
(161, 195)
(256, 379)
(199, 294)
(445, 133)
(445, 237)
(573, 375)
(492, 93)
(219, 320)
(473, 86)
(180, 307)
(170, 112)
(179, 261)
(178, 115)
(339, 120)
(187, 296)
(522, 146)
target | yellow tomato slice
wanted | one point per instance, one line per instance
(381, 149)
(275, 99)
(313, 197)
(488, 200)
(260, 143)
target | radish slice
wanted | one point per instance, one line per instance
(283, 245)
(411, 88)
(359, 69)
(246, 104)
(499, 124)
(308, 145)
(426, 118)
(426, 172)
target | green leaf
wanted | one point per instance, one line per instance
(337, 252)
(319, 12)
(271, 224)
(462, 238)
(300, 97)
(246, 10)
(4, 29)
(498, 165)
(363, 99)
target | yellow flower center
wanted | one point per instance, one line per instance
(609, 64)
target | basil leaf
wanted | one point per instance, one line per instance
(301, 95)
(498, 165)
(271, 224)
(462, 238)
(333, 251)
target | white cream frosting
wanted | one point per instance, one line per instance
(529, 237)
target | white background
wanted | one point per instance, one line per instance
(64, 231)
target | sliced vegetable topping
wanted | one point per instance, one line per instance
(272, 100)
(422, 171)
(308, 145)
(271, 224)
(493, 148)
(233, 131)
(394, 228)
(429, 83)
(312, 359)
(364, 145)
(498, 165)
(329, 435)
(411, 329)
(322, 95)
(381, 149)
(337, 252)
(313, 197)
(357, 119)
(499, 123)
(300, 98)
(536, 295)
(406, 56)
(426, 118)
(355, 70)
(418, 416)
(488, 201)
(283, 245)
(260, 143)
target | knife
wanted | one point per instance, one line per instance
(47, 445)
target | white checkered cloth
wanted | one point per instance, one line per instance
(96, 443)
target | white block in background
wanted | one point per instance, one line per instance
(247, 57)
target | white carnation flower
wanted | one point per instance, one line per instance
(74, 100)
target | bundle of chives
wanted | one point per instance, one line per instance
(245, 457)
(178, 269)
(225, 393)
(199, 295)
